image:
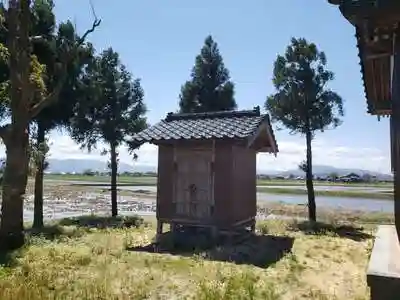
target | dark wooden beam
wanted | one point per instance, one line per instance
(369, 56)
(395, 131)
(377, 46)
(380, 16)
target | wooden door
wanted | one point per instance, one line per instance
(193, 184)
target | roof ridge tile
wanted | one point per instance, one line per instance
(255, 112)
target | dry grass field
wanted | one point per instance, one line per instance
(101, 258)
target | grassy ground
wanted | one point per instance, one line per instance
(285, 261)
(325, 214)
(346, 194)
(152, 181)
(318, 182)
(105, 179)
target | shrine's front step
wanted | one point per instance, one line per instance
(383, 274)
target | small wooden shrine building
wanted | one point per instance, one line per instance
(207, 167)
(377, 26)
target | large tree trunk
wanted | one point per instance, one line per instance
(15, 135)
(14, 186)
(38, 202)
(312, 215)
(114, 170)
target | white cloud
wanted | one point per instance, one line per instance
(291, 153)
(62, 147)
(324, 153)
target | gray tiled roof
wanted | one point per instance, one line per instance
(196, 126)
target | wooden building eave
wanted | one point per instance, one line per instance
(375, 62)
(376, 23)
(377, 27)
(264, 140)
(381, 11)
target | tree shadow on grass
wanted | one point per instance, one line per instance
(10, 250)
(93, 221)
(53, 232)
(257, 250)
(78, 226)
(355, 233)
(9, 258)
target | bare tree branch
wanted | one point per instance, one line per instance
(53, 96)
(93, 10)
(96, 23)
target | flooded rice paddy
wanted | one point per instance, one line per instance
(68, 199)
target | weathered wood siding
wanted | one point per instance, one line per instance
(223, 183)
(244, 190)
(193, 184)
(172, 192)
(165, 181)
(234, 182)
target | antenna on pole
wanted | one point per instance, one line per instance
(75, 25)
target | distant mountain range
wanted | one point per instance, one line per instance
(80, 165)
(320, 170)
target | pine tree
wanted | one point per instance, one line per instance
(210, 88)
(112, 111)
(303, 102)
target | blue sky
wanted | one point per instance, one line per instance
(158, 42)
